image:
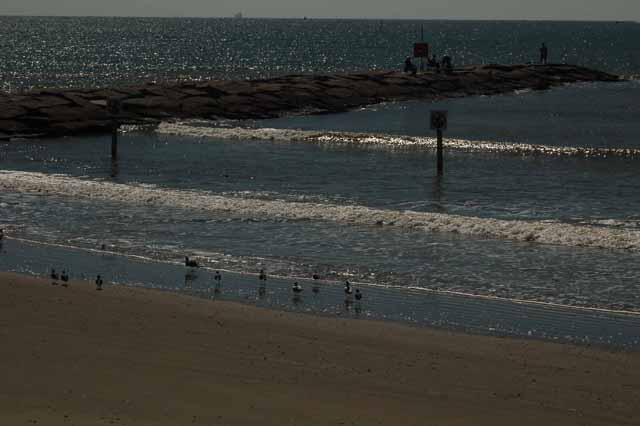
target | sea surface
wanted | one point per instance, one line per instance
(539, 203)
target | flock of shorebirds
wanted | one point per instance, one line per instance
(63, 278)
(296, 288)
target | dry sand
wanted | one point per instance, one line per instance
(126, 356)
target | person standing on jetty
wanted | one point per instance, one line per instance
(544, 52)
(409, 67)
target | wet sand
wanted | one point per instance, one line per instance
(131, 356)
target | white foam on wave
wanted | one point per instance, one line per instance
(200, 129)
(531, 231)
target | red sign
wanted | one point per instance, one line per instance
(420, 50)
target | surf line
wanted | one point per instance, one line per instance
(200, 129)
(527, 301)
(556, 233)
(403, 289)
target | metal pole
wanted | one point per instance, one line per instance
(422, 40)
(440, 159)
(114, 106)
(114, 141)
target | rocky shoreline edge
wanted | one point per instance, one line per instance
(62, 112)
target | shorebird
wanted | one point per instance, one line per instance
(190, 263)
(358, 295)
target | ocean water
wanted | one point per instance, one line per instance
(54, 51)
(539, 201)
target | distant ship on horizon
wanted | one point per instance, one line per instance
(238, 15)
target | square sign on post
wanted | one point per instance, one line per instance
(438, 120)
(420, 50)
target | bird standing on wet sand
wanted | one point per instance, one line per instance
(54, 277)
(190, 263)
(65, 278)
(358, 295)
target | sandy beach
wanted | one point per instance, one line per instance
(129, 356)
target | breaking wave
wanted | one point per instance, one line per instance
(546, 232)
(201, 130)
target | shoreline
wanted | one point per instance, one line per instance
(499, 317)
(141, 356)
(63, 112)
(590, 309)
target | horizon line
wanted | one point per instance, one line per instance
(29, 15)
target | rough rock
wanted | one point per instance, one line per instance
(55, 112)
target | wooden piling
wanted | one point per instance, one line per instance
(440, 155)
(114, 142)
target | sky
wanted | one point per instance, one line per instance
(607, 10)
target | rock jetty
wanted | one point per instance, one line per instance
(58, 112)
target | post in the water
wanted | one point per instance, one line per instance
(114, 106)
(439, 123)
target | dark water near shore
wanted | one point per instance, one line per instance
(304, 195)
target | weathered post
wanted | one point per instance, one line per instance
(422, 40)
(114, 105)
(439, 123)
(440, 159)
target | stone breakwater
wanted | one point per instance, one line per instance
(58, 112)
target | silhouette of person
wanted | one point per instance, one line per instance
(544, 52)
(65, 278)
(446, 63)
(54, 277)
(409, 67)
(98, 283)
